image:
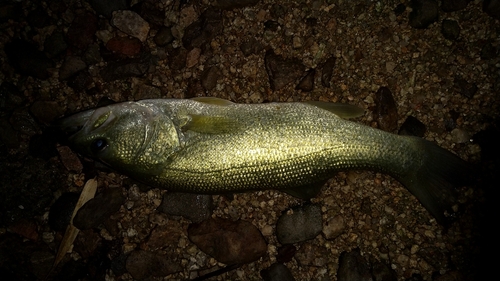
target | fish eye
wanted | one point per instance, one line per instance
(98, 145)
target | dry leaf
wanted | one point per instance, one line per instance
(71, 232)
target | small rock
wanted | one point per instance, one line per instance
(382, 272)
(86, 243)
(92, 55)
(163, 36)
(177, 58)
(234, 4)
(492, 8)
(144, 91)
(8, 136)
(424, 13)
(251, 46)
(164, 235)
(131, 23)
(229, 242)
(55, 44)
(304, 223)
(106, 8)
(209, 78)
(98, 209)
(454, 5)
(38, 18)
(143, 264)
(69, 159)
(286, 253)
(460, 136)
(465, 88)
(193, 57)
(385, 112)
(334, 227)
(306, 84)
(71, 66)
(412, 127)
(27, 59)
(277, 272)
(400, 9)
(135, 67)
(488, 51)
(46, 111)
(327, 71)
(124, 45)
(200, 33)
(82, 30)
(450, 29)
(25, 228)
(81, 81)
(61, 211)
(282, 72)
(194, 207)
(352, 266)
(452, 275)
(311, 255)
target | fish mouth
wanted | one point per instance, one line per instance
(74, 123)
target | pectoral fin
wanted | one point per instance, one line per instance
(343, 110)
(211, 124)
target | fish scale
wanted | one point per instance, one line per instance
(212, 146)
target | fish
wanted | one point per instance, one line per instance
(209, 145)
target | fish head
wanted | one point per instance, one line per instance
(131, 137)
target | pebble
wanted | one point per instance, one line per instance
(385, 113)
(128, 46)
(229, 242)
(327, 71)
(353, 267)
(98, 209)
(27, 59)
(412, 127)
(69, 159)
(488, 51)
(82, 31)
(70, 67)
(286, 253)
(277, 272)
(200, 33)
(234, 4)
(281, 71)
(55, 44)
(193, 57)
(135, 67)
(492, 8)
(209, 78)
(130, 23)
(460, 136)
(464, 87)
(302, 224)
(106, 8)
(306, 84)
(251, 46)
(163, 36)
(334, 227)
(46, 111)
(144, 264)
(454, 5)
(194, 207)
(424, 13)
(450, 29)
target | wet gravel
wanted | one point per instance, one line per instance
(421, 67)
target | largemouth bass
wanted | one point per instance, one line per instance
(211, 146)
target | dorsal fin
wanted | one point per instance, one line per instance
(212, 100)
(210, 124)
(343, 110)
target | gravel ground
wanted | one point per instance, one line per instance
(439, 63)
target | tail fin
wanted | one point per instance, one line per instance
(435, 180)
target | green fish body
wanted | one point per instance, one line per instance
(209, 145)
